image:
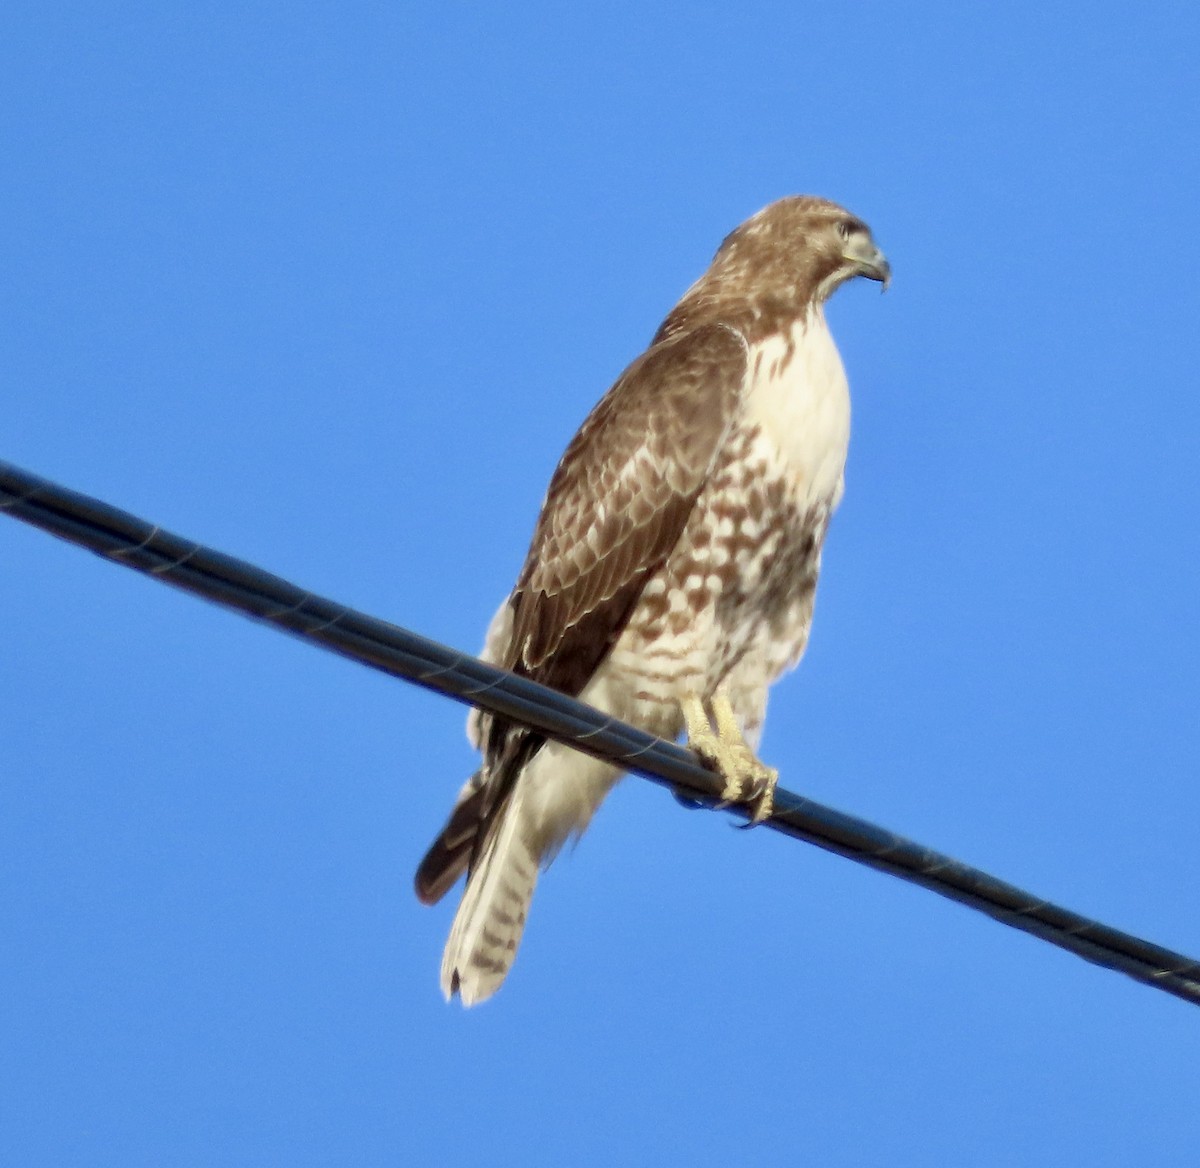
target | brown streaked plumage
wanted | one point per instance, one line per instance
(673, 568)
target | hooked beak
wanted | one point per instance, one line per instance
(879, 269)
(868, 260)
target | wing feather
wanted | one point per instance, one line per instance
(615, 509)
(619, 500)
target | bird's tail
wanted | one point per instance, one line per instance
(491, 918)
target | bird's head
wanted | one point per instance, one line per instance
(779, 265)
(802, 247)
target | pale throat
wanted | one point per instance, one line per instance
(798, 398)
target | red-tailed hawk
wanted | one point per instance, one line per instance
(674, 565)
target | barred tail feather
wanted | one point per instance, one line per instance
(491, 918)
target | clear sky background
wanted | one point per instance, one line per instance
(329, 288)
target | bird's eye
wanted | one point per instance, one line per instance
(846, 228)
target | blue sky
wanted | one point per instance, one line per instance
(329, 288)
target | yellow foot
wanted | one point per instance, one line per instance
(747, 779)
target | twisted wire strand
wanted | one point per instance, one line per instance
(232, 583)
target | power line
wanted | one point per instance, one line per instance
(125, 539)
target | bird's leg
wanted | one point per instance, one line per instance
(712, 748)
(747, 780)
(755, 774)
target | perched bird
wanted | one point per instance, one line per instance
(674, 564)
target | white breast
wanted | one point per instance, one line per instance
(799, 400)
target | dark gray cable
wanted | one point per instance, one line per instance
(235, 584)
